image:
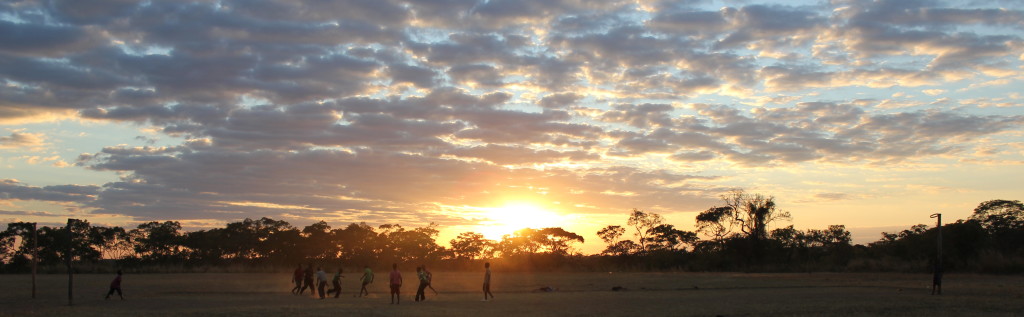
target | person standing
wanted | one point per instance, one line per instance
(367, 278)
(115, 286)
(297, 279)
(337, 284)
(487, 281)
(396, 284)
(937, 279)
(321, 281)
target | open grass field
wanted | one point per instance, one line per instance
(577, 294)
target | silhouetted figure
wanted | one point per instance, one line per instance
(307, 281)
(937, 280)
(487, 281)
(115, 286)
(366, 279)
(430, 278)
(337, 284)
(297, 279)
(321, 281)
(421, 274)
(396, 284)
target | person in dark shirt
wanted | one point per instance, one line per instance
(937, 279)
(115, 285)
(307, 281)
(297, 279)
(421, 274)
(337, 284)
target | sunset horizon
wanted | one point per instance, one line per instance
(495, 116)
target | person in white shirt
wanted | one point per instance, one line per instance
(321, 281)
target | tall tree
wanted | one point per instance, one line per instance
(469, 245)
(753, 213)
(358, 243)
(667, 237)
(999, 215)
(1004, 221)
(319, 242)
(642, 222)
(610, 235)
(715, 222)
(158, 241)
(112, 242)
(523, 241)
(557, 240)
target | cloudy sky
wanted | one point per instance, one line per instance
(484, 115)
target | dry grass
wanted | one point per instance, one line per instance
(578, 294)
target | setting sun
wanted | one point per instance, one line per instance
(515, 216)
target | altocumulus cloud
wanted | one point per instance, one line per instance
(390, 110)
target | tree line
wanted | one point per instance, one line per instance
(743, 233)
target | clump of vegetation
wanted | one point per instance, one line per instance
(744, 234)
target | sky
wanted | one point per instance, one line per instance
(488, 116)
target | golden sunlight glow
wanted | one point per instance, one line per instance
(514, 216)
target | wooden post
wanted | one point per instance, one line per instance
(71, 279)
(35, 256)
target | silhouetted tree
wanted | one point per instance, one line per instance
(522, 241)
(557, 240)
(1004, 222)
(610, 235)
(157, 241)
(358, 243)
(642, 222)
(753, 213)
(715, 222)
(411, 245)
(469, 245)
(16, 244)
(667, 237)
(319, 242)
(206, 247)
(112, 242)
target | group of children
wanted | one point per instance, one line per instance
(303, 279)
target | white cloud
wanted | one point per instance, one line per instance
(387, 109)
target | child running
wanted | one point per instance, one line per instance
(307, 280)
(321, 281)
(367, 278)
(337, 284)
(430, 278)
(421, 274)
(297, 279)
(115, 286)
(396, 284)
